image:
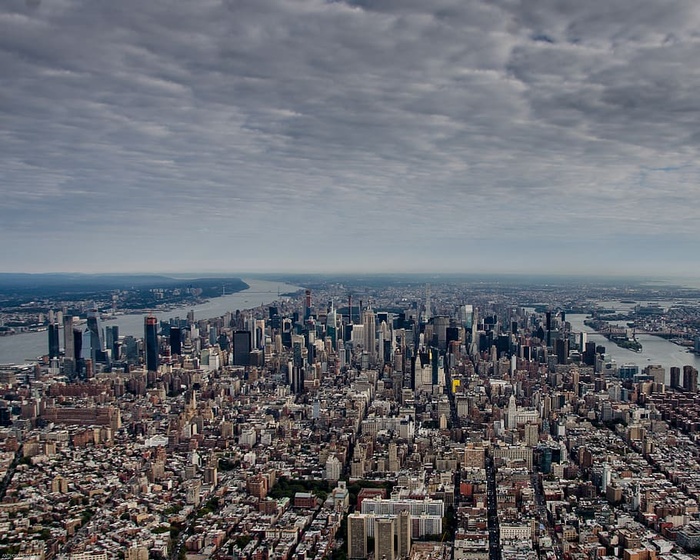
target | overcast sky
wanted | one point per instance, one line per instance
(367, 135)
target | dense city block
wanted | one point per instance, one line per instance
(376, 418)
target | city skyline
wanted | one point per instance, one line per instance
(426, 427)
(349, 136)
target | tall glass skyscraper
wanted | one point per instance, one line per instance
(92, 338)
(151, 342)
(53, 340)
(241, 348)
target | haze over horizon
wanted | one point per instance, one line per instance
(350, 136)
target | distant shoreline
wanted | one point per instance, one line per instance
(135, 299)
(22, 349)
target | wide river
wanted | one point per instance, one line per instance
(17, 348)
(655, 350)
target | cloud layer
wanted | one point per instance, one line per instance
(350, 135)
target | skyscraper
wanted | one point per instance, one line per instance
(175, 341)
(307, 304)
(428, 304)
(370, 334)
(93, 343)
(131, 349)
(589, 354)
(357, 535)
(384, 535)
(297, 353)
(112, 340)
(690, 379)
(77, 344)
(223, 342)
(440, 325)
(561, 348)
(332, 325)
(512, 413)
(68, 344)
(434, 366)
(76, 366)
(241, 348)
(675, 377)
(151, 342)
(404, 533)
(53, 341)
(296, 380)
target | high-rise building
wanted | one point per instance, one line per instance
(474, 456)
(675, 377)
(404, 534)
(384, 536)
(213, 335)
(690, 379)
(151, 342)
(131, 349)
(582, 340)
(77, 344)
(112, 340)
(512, 413)
(175, 341)
(307, 304)
(434, 366)
(297, 353)
(531, 434)
(370, 333)
(259, 335)
(440, 325)
(428, 305)
(562, 350)
(88, 345)
(93, 333)
(296, 379)
(241, 348)
(357, 535)
(627, 371)
(393, 465)
(657, 372)
(454, 334)
(54, 349)
(331, 326)
(589, 354)
(68, 344)
(222, 341)
(334, 468)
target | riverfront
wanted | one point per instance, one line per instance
(28, 346)
(655, 350)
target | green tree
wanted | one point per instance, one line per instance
(243, 541)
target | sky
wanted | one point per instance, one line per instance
(548, 136)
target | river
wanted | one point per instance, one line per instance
(655, 350)
(17, 348)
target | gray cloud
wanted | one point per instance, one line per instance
(308, 134)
